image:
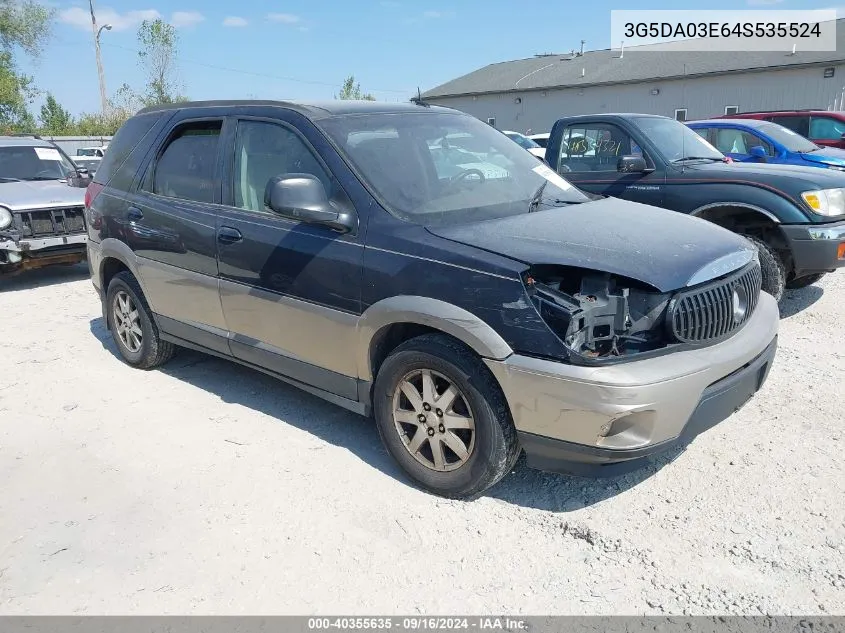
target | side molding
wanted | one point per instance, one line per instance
(448, 318)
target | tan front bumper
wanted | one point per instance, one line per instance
(628, 406)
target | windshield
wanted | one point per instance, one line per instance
(22, 162)
(522, 141)
(792, 141)
(445, 168)
(675, 140)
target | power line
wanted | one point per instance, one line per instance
(244, 72)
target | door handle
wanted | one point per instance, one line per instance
(228, 235)
(134, 214)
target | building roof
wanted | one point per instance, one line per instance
(640, 63)
(312, 109)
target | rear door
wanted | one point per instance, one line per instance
(290, 291)
(588, 155)
(169, 222)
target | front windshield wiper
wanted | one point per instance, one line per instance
(46, 178)
(686, 158)
(537, 199)
(810, 151)
(10, 179)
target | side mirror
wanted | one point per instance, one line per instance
(758, 151)
(302, 197)
(631, 164)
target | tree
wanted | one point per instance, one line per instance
(159, 45)
(24, 25)
(352, 90)
(55, 120)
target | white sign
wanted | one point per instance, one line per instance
(549, 174)
(48, 153)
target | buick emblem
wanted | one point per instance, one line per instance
(739, 303)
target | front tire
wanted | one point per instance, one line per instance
(132, 327)
(443, 418)
(771, 267)
(803, 282)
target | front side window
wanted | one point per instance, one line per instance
(826, 128)
(594, 147)
(733, 141)
(28, 162)
(262, 152)
(186, 168)
(442, 168)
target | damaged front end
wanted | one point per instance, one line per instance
(599, 316)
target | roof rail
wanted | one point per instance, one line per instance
(776, 111)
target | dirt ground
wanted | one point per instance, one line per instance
(206, 488)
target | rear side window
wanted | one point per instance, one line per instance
(799, 124)
(186, 168)
(127, 139)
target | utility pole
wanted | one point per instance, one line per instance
(103, 100)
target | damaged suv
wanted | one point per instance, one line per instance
(475, 312)
(42, 193)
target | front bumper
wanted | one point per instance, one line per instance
(605, 420)
(30, 244)
(816, 248)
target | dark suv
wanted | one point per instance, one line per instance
(362, 252)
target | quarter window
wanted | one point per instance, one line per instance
(264, 151)
(186, 168)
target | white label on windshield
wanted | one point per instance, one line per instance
(549, 174)
(48, 153)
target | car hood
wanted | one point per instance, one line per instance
(664, 249)
(40, 194)
(826, 156)
(792, 178)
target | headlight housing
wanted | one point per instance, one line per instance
(828, 202)
(5, 218)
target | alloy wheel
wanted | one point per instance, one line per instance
(434, 420)
(127, 322)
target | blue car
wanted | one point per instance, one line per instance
(753, 141)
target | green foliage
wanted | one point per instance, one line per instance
(352, 90)
(55, 120)
(159, 45)
(24, 25)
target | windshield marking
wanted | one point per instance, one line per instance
(47, 153)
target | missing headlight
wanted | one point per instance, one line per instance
(598, 314)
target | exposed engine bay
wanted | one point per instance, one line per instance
(599, 315)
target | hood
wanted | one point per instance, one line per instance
(665, 249)
(826, 156)
(791, 178)
(40, 194)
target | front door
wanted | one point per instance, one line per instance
(169, 223)
(738, 145)
(588, 157)
(290, 291)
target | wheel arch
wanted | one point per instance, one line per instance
(388, 323)
(115, 256)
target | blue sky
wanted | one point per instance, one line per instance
(302, 49)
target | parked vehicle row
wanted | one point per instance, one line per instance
(412, 263)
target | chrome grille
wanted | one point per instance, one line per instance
(708, 313)
(45, 222)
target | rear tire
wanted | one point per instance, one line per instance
(771, 267)
(433, 394)
(803, 282)
(132, 326)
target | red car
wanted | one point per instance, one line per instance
(820, 126)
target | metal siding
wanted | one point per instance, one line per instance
(703, 97)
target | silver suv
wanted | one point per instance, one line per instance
(42, 199)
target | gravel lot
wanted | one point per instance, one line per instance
(207, 488)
